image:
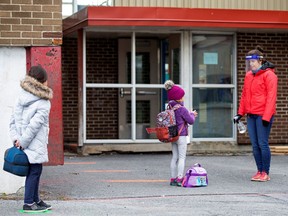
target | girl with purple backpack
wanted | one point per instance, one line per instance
(184, 118)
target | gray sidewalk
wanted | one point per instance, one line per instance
(138, 184)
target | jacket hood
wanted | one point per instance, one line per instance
(267, 65)
(172, 103)
(263, 68)
(36, 88)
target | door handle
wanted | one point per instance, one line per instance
(123, 92)
(146, 93)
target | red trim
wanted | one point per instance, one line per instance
(175, 18)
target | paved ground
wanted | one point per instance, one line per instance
(138, 184)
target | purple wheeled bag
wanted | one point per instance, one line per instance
(196, 176)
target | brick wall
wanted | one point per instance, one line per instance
(102, 103)
(276, 51)
(30, 22)
(70, 90)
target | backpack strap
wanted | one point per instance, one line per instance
(177, 106)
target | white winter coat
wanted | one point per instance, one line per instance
(30, 120)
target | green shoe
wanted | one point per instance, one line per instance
(179, 182)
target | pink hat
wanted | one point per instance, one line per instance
(174, 92)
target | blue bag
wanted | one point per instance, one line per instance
(16, 162)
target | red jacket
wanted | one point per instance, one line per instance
(259, 93)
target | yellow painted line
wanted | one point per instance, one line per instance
(135, 181)
(78, 163)
(106, 171)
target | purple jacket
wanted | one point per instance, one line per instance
(183, 116)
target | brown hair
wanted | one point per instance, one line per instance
(38, 73)
(257, 51)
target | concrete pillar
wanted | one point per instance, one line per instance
(50, 59)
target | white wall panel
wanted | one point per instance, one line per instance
(12, 70)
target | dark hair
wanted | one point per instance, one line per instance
(38, 73)
(257, 51)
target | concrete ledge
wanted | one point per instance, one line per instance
(218, 148)
(125, 148)
(205, 148)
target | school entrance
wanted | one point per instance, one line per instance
(121, 72)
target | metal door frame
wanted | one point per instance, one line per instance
(133, 87)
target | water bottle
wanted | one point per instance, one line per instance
(241, 127)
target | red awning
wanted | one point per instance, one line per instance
(175, 18)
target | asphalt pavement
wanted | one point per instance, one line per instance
(138, 184)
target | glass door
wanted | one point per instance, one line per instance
(147, 98)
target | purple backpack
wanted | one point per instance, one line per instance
(196, 176)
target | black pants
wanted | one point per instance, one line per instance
(32, 184)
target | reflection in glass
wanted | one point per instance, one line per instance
(142, 112)
(214, 106)
(142, 67)
(147, 108)
(212, 59)
(176, 65)
(142, 117)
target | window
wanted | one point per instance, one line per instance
(213, 85)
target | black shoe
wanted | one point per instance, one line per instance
(43, 204)
(34, 208)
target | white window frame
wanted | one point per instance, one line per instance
(231, 86)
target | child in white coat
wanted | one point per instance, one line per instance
(29, 130)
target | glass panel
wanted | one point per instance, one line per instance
(102, 113)
(176, 65)
(214, 106)
(147, 62)
(147, 108)
(102, 68)
(142, 112)
(142, 117)
(142, 67)
(212, 59)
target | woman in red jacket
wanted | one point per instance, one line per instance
(258, 101)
